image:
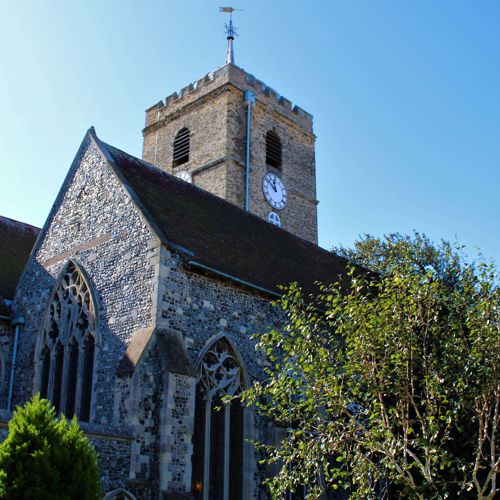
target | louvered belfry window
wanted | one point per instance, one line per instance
(273, 149)
(67, 346)
(181, 147)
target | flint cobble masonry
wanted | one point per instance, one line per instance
(158, 313)
(137, 284)
(95, 224)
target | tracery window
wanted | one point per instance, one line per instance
(119, 494)
(218, 437)
(67, 346)
(181, 147)
(273, 149)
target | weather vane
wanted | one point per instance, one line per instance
(230, 33)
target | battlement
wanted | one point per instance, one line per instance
(239, 78)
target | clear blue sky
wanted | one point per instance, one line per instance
(405, 95)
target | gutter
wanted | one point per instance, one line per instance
(193, 263)
(248, 284)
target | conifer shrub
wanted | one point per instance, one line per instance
(47, 457)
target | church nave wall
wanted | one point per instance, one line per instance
(201, 309)
(95, 224)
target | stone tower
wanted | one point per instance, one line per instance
(200, 134)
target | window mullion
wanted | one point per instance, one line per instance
(206, 448)
(50, 385)
(227, 444)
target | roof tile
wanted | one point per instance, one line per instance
(16, 242)
(221, 235)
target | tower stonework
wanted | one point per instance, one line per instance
(214, 111)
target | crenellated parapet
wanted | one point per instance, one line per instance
(212, 82)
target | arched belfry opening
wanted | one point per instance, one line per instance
(273, 149)
(67, 345)
(219, 434)
(181, 147)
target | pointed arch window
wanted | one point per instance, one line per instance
(119, 494)
(67, 346)
(218, 437)
(181, 147)
(273, 149)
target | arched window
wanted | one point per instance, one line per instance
(274, 218)
(218, 437)
(181, 147)
(119, 494)
(67, 346)
(273, 149)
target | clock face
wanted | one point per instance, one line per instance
(274, 191)
(184, 175)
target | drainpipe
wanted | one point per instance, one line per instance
(249, 101)
(17, 322)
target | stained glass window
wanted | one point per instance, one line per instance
(218, 437)
(67, 346)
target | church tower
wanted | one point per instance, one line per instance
(234, 136)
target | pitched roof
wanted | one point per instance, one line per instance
(218, 235)
(16, 241)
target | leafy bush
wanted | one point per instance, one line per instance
(390, 384)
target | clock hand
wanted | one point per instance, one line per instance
(274, 185)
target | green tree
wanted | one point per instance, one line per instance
(391, 383)
(45, 457)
